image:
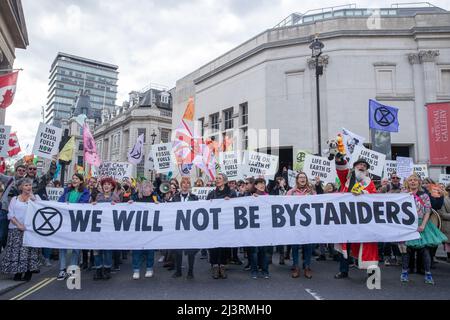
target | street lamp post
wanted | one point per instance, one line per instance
(316, 48)
(154, 135)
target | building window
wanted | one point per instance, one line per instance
(143, 131)
(165, 97)
(445, 82)
(385, 77)
(202, 126)
(165, 135)
(215, 125)
(244, 114)
(245, 139)
(228, 116)
(80, 161)
(80, 146)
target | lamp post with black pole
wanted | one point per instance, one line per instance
(316, 47)
(154, 135)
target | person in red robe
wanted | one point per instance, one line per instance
(358, 182)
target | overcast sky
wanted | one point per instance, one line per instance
(152, 41)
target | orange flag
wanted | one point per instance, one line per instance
(190, 110)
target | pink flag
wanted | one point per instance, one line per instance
(90, 149)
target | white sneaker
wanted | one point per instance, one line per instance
(149, 274)
(62, 276)
(136, 276)
(161, 259)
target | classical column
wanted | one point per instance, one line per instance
(425, 90)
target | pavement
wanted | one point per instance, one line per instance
(238, 286)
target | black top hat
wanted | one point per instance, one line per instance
(362, 161)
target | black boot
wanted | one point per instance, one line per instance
(98, 275)
(18, 277)
(28, 276)
(107, 274)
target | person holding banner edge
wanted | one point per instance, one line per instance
(184, 196)
(219, 256)
(302, 188)
(147, 195)
(356, 181)
(19, 260)
(76, 192)
(430, 235)
(103, 258)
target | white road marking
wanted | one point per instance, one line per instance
(314, 295)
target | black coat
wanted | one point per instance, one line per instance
(225, 193)
(191, 197)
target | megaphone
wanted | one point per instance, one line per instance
(164, 188)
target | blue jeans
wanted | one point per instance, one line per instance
(262, 252)
(103, 259)
(47, 253)
(4, 223)
(139, 255)
(73, 260)
(307, 255)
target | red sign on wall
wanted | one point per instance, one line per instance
(438, 130)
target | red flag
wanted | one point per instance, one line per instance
(439, 142)
(8, 85)
(14, 147)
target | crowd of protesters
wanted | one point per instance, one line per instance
(418, 256)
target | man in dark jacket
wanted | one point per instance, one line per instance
(40, 183)
(184, 196)
(219, 256)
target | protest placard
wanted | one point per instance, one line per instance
(202, 193)
(375, 159)
(421, 170)
(405, 167)
(46, 144)
(116, 170)
(54, 193)
(389, 168)
(4, 140)
(292, 175)
(444, 179)
(320, 167)
(351, 141)
(299, 159)
(259, 165)
(163, 157)
(230, 165)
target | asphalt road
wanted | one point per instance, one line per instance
(238, 286)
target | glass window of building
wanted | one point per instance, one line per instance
(228, 116)
(215, 125)
(244, 114)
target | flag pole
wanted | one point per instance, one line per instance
(5, 70)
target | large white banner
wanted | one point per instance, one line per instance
(46, 144)
(240, 222)
(320, 167)
(375, 159)
(4, 141)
